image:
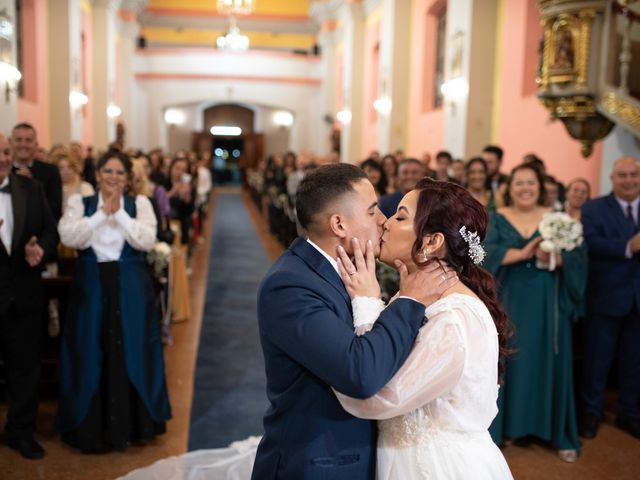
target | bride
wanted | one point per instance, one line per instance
(434, 414)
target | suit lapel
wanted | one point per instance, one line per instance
(19, 204)
(618, 215)
(319, 264)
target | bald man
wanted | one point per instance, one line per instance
(28, 237)
(611, 231)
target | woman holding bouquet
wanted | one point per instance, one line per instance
(542, 297)
(113, 387)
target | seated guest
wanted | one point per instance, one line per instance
(443, 164)
(376, 176)
(181, 196)
(113, 387)
(537, 396)
(27, 238)
(390, 168)
(552, 186)
(578, 193)
(72, 183)
(613, 300)
(410, 171)
(476, 173)
(25, 145)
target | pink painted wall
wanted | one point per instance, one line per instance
(426, 124)
(371, 76)
(33, 107)
(86, 47)
(524, 124)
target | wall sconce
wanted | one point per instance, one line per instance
(10, 76)
(113, 111)
(382, 105)
(283, 118)
(344, 117)
(77, 99)
(173, 116)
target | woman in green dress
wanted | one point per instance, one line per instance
(537, 397)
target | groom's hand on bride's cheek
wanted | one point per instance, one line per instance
(427, 284)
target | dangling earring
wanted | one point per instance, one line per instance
(425, 254)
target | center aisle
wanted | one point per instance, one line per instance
(229, 396)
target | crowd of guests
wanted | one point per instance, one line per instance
(595, 286)
(101, 216)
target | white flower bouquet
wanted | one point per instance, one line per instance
(158, 258)
(559, 232)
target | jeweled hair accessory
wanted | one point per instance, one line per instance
(476, 252)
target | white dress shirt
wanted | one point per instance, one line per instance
(331, 260)
(6, 214)
(106, 234)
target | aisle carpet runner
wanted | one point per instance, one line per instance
(229, 396)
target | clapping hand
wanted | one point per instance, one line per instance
(111, 201)
(359, 279)
(427, 284)
(530, 249)
(33, 252)
(24, 171)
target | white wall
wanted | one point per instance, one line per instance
(271, 81)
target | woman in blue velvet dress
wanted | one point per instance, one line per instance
(113, 388)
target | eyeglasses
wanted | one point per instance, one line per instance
(111, 171)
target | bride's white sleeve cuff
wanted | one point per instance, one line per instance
(366, 310)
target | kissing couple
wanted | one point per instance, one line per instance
(360, 390)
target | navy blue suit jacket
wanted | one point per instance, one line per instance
(306, 331)
(614, 280)
(388, 203)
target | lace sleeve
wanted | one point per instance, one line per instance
(366, 310)
(432, 369)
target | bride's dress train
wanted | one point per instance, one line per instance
(433, 416)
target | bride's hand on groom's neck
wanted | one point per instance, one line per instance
(359, 275)
(426, 285)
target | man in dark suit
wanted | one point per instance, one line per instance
(410, 172)
(613, 299)
(25, 147)
(492, 155)
(308, 341)
(27, 238)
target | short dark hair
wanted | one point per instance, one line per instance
(496, 150)
(473, 160)
(23, 126)
(406, 161)
(444, 154)
(323, 186)
(123, 157)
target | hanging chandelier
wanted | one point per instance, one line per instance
(235, 7)
(233, 39)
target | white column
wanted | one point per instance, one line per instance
(66, 123)
(103, 21)
(352, 16)
(394, 77)
(8, 106)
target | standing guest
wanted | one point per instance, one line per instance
(537, 396)
(376, 176)
(492, 155)
(72, 183)
(552, 187)
(390, 168)
(156, 191)
(25, 145)
(458, 172)
(443, 163)
(410, 171)
(181, 197)
(426, 160)
(89, 170)
(113, 387)
(578, 192)
(27, 238)
(476, 173)
(613, 300)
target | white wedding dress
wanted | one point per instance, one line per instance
(433, 416)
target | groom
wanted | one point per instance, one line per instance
(306, 331)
